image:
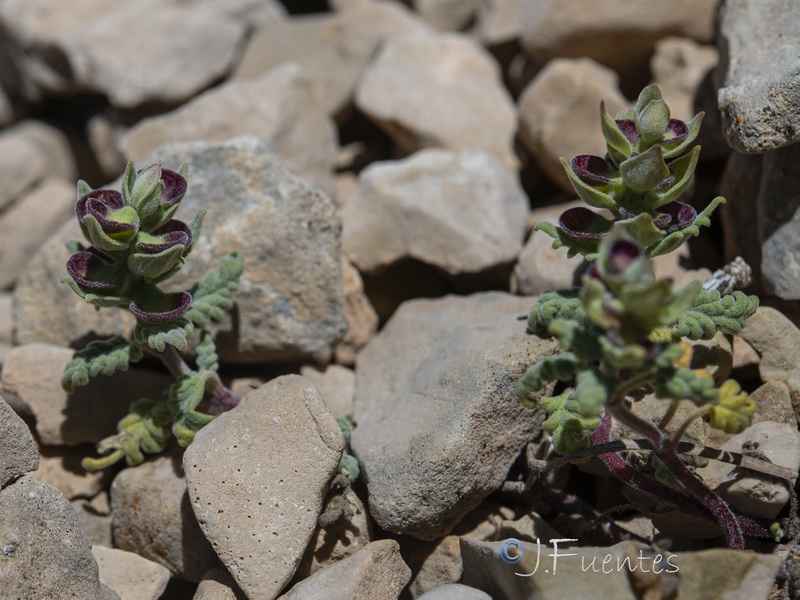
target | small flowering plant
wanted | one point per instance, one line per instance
(639, 181)
(622, 331)
(136, 244)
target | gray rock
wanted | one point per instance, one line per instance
(438, 430)
(218, 584)
(499, 21)
(29, 222)
(18, 451)
(257, 478)
(279, 107)
(777, 340)
(462, 212)
(60, 466)
(758, 81)
(30, 152)
(559, 115)
(447, 15)
(336, 384)
(33, 373)
(6, 318)
(170, 50)
(773, 403)
(152, 516)
(454, 591)
(130, 575)
(45, 555)
(290, 303)
(95, 524)
(362, 320)
(427, 89)
(679, 66)
(778, 210)
(376, 572)
(595, 29)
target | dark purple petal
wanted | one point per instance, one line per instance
(679, 215)
(173, 233)
(620, 256)
(163, 309)
(679, 131)
(582, 224)
(628, 129)
(93, 270)
(174, 187)
(98, 204)
(592, 170)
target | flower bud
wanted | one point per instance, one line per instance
(105, 221)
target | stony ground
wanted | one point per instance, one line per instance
(380, 163)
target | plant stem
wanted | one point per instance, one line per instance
(173, 361)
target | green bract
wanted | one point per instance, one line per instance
(639, 181)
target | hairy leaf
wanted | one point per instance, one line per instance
(184, 396)
(711, 313)
(211, 297)
(568, 425)
(668, 243)
(157, 336)
(678, 383)
(734, 411)
(207, 359)
(563, 304)
(560, 366)
(99, 358)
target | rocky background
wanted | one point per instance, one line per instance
(381, 164)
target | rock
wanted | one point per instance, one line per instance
(242, 473)
(376, 572)
(130, 575)
(744, 356)
(152, 516)
(95, 524)
(777, 340)
(773, 403)
(499, 21)
(218, 584)
(749, 492)
(29, 222)
(18, 452)
(362, 320)
(6, 318)
(596, 29)
(778, 215)
(60, 466)
(339, 539)
(439, 90)
(447, 15)
(33, 373)
(454, 591)
(45, 555)
(438, 431)
(757, 79)
(679, 67)
(170, 50)
(541, 268)
(461, 212)
(30, 152)
(290, 304)
(279, 107)
(336, 384)
(559, 115)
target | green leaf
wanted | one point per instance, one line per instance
(675, 239)
(574, 247)
(99, 358)
(645, 171)
(576, 337)
(155, 265)
(83, 188)
(710, 313)
(207, 359)
(682, 169)
(587, 193)
(642, 229)
(678, 383)
(694, 129)
(651, 122)
(95, 299)
(563, 304)
(560, 366)
(100, 239)
(194, 227)
(348, 464)
(735, 409)
(146, 191)
(619, 148)
(174, 333)
(74, 246)
(211, 297)
(346, 426)
(128, 181)
(570, 429)
(184, 396)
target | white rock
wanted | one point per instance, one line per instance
(130, 575)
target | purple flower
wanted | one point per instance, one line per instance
(153, 306)
(173, 233)
(94, 271)
(583, 224)
(593, 170)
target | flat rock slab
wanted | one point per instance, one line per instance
(18, 451)
(439, 423)
(376, 572)
(130, 575)
(760, 85)
(44, 555)
(257, 478)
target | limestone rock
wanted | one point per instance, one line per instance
(130, 575)
(257, 477)
(758, 74)
(376, 572)
(6, 318)
(218, 584)
(454, 591)
(439, 90)
(45, 555)
(94, 523)
(777, 340)
(336, 384)
(559, 115)
(438, 430)
(679, 66)
(279, 107)
(152, 516)
(362, 320)
(29, 222)
(462, 212)
(60, 466)
(18, 452)
(447, 15)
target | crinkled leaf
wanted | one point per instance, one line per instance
(211, 297)
(174, 333)
(576, 337)
(348, 464)
(184, 396)
(560, 366)
(735, 409)
(207, 359)
(570, 429)
(710, 313)
(100, 357)
(677, 383)
(563, 304)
